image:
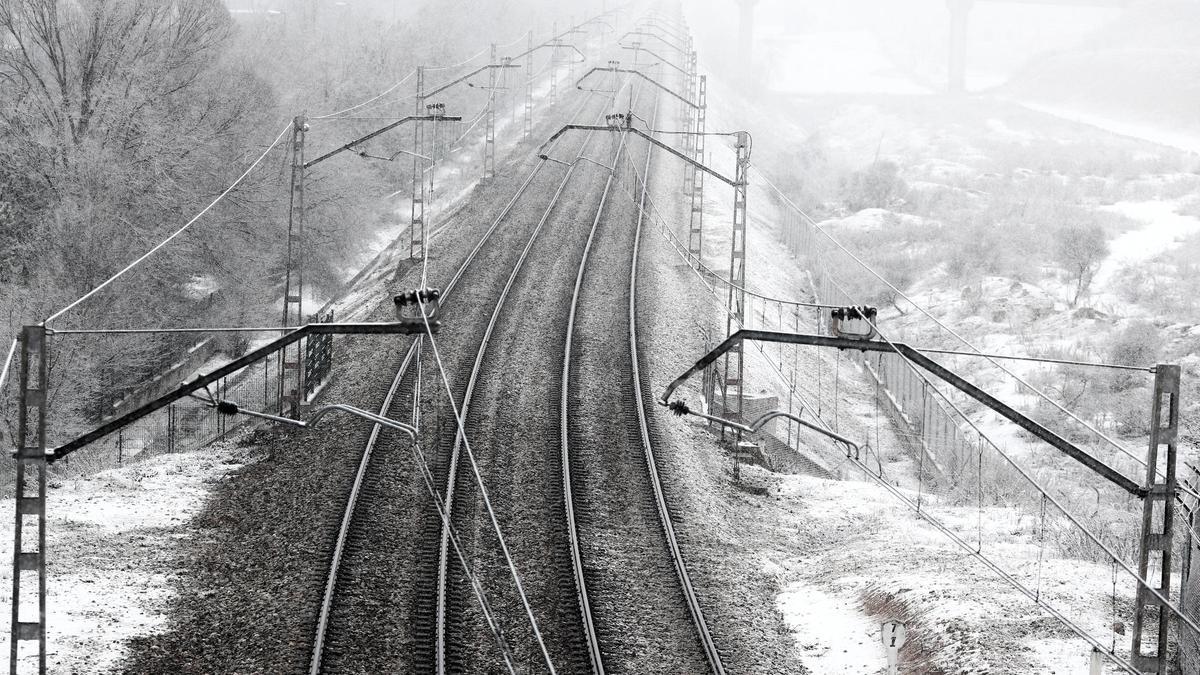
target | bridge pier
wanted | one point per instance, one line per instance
(745, 45)
(957, 71)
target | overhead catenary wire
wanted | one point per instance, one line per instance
(924, 514)
(476, 587)
(378, 96)
(1038, 392)
(986, 561)
(12, 350)
(990, 358)
(174, 234)
(656, 215)
(482, 52)
(462, 431)
(339, 114)
(1166, 602)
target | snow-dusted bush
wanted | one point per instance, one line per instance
(877, 186)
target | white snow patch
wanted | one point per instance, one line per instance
(834, 638)
(1169, 138)
(110, 547)
(1163, 230)
(201, 287)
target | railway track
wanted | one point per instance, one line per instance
(376, 615)
(622, 539)
(367, 578)
(504, 388)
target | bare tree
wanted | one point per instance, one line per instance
(1080, 249)
(70, 67)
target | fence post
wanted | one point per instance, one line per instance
(1151, 619)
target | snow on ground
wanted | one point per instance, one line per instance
(1163, 229)
(1154, 134)
(970, 619)
(982, 623)
(110, 540)
(834, 638)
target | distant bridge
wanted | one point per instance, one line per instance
(959, 11)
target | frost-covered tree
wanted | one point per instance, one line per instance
(1080, 249)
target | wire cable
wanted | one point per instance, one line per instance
(1034, 596)
(12, 350)
(385, 92)
(175, 234)
(922, 310)
(485, 50)
(477, 587)
(990, 358)
(1166, 602)
(462, 431)
(925, 514)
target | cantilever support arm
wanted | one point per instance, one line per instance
(386, 128)
(657, 143)
(658, 56)
(600, 21)
(550, 44)
(469, 75)
(404, 327)
(661, 39)
(672, 31)
(635, 72)
(928, 364)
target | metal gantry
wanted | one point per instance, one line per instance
(1151, 620)
(33, 456)
(28, 626)
(686, 113)
(554, 70)
(696, 220)
(731, 382)
(489, 138)
(529, 89)
(291, 372)
(416, 231)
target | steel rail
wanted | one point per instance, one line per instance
(320, 637)
(451, 481)
(591, 636)
(689, 591)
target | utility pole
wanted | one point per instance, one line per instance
(30, 493)
(489, 138)
(688, 123)
(746, 35)
(571, 62)
(291, 361)
(529, 89)
(957, 69)
(554, 68)
(1158, 517)
(696, 227)
(416, 232)
(732, 387)
(685, 111)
